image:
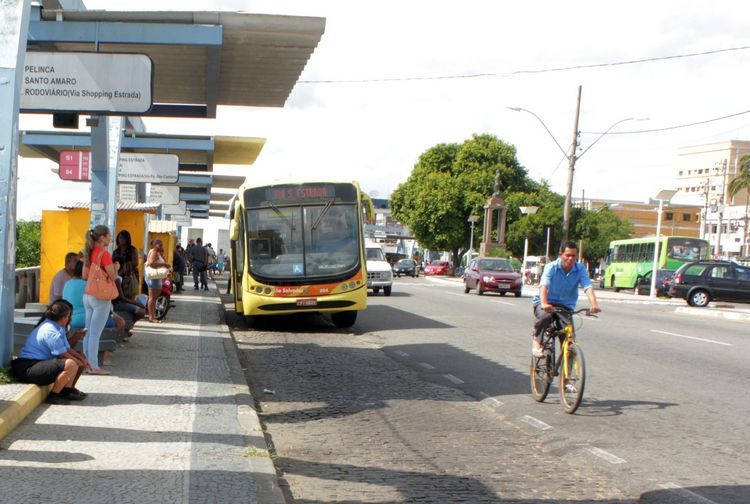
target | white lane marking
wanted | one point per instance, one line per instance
(691, 337)
(426, 366)
(687, 494)
(492, 399)
(612, 459)
(490, 299)
(450, 377)
(400, 353)
(535, 422)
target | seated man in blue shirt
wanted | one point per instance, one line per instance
(559, 287)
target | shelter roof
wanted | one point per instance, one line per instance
(121, 205)
(195, 152)
(201, 58)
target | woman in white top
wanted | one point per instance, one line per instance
(155, 259)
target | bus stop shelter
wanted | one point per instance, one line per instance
(200, 60)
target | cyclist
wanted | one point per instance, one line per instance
(558, 287)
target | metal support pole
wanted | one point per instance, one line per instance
(471, 242)
(717, 246)
(14, 26)
(525, 255)
(548, 235)
(571, 168)
(106, 139)
(654, 268)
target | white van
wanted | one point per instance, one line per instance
(379, 274)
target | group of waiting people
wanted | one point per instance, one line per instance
(79, 312)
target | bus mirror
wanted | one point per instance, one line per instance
(369, 208)
(234, 230)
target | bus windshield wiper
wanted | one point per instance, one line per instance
(278, 212)
(322, 213)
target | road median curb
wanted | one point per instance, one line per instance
(713, 313)
(264, 470)
(20, 406)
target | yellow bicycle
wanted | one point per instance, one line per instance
(570, 365)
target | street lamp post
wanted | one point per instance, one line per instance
(472, 219)
(526, 210)
(573, 157)
(664, 195)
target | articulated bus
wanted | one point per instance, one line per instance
(630, 260)
(299, 247)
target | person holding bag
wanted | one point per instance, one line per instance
(100, 290)
(156, 270)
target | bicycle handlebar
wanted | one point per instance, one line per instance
(565, 311)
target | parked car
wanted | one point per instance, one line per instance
(443, 268)
(700, 282)
(663, 281)
(486, 274)
(406, 267)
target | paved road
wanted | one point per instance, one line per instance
(664, 416)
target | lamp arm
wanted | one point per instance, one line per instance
(600, 136)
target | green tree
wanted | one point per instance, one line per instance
(742, 182)
(28, 243)
(449, 182)
(598, 228)
(520, 226)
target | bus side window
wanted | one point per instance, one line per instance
(241, 244)
(628, 256)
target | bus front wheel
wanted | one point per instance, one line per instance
(344, 319)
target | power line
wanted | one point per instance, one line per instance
(655, 130)
(522, 72)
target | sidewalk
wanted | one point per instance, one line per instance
(173, 423)
(717, 310)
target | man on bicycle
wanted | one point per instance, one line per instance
(558, 287)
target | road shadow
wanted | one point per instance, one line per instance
(496, 378)
(615, 407)
(438, 487)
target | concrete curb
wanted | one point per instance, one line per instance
(714, 313)
(20, 406)
(263, 469)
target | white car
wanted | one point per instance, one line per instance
(379, 274)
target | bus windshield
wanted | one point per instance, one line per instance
(686, 249)
(301, 242)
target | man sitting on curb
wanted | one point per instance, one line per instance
(47, 357)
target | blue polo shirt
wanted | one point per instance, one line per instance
(562, 287)
(45, 342)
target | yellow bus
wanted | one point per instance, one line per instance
(299, 247)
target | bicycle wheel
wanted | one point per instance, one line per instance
(572, 378)
(540, 377)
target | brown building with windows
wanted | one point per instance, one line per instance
(676, 219)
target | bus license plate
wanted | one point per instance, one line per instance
(307, 302)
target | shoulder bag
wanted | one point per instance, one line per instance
(159, 273)
(99, 284)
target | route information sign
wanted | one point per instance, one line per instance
(99, 83)
(133, 167)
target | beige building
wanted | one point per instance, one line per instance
(676, 220)
(705, 171)
(703, 174)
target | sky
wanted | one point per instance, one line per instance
(374, 132)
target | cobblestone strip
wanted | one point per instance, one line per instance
(351, 425)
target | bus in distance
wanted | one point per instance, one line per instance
(298, 247)
(628, 261)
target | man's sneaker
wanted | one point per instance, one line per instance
(537, 351)
(54, 398)
(73, 394)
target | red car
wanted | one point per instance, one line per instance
(487, 274)
(439, 268)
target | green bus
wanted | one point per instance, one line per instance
(629, 260)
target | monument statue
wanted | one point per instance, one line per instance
(498, 184)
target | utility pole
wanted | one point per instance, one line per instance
(704, 231)
(571, 169)
(717, 247)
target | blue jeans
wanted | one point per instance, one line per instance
(97, 313)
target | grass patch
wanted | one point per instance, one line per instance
(255, 452)
(6, 375)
